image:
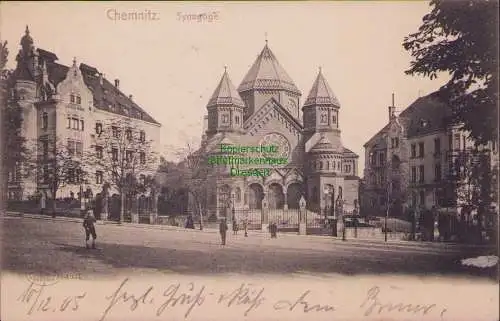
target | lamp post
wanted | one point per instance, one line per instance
(232, 207)
(388, 208)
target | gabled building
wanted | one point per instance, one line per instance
(69, 104)
(412, 161)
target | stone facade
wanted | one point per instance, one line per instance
(265, 110)
(64, 106)
(411, 159)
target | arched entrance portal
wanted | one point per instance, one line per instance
(255, 196)
(293, 194)
(276, 199)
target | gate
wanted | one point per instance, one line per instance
(253, 217)
(319, 223)
(286, 220)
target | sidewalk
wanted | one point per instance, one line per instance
(352, 241)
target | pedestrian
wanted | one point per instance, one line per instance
(245, 227)
(273, 228)
(88, 225)
(235, 226)
(190, 222)
(43, 204)
(223, 230)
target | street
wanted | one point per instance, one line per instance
(31, 245)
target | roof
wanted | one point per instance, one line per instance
(426, 115)
(267, 74)
(225, 94)
(322, 145)
(106, 96)
(321, 93)
(347, 151)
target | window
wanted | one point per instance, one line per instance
(225, 119)
(437, 146)
(413, 174)
(98, 177)
(456, 143)
(69, 122)
(98, 128)
(114, 154)
(114, 129)
(81, 124)
(98, 151)
(381, 157)
(413, 150)
(142, 136)
(450, 142)
(45, 120)
(421, 150)
(143, 157)
(437, 172)
(78, 100)
(347, 168)
(129, 155)
(238, 194)
(79, 148)
(422, 197)
(421, 174)
(128, 133)
(237, 119)
(334, 119)
(324, 119)
(72, 98)
(395, 142)
(75, 123)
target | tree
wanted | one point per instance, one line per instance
(120, 154)
(58, 165)
(190, 174)
(461, 38)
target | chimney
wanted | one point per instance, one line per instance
(130, 97)
(392, 109)
(117, 83)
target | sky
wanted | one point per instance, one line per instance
(172, 63)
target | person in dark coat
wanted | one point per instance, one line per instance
(88, 224)
(190, 222)
(223, 230)
(273, 228)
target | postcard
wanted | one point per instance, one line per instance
(333, 160)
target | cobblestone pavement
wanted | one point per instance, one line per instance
(44, 245)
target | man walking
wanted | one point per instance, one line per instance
(88, 224)
(223, 230)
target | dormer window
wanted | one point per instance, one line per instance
(324, 119)
(72, 99)
(78, 100)
(225, 119)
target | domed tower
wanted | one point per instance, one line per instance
(267, 79)
(225, 109)
(24, 84)
(321, 112)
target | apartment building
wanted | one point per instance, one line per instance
(413, 160)
(68, 107)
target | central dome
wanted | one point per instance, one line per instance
(267, 74)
